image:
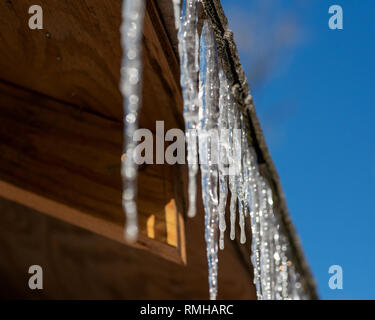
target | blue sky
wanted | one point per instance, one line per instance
(314, 92)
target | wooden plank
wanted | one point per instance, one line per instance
(90, 222)
(78, 264)
(58, 153)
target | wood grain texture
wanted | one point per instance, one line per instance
(73, 158)
(78, 264)
(76, 61)
(76, 57)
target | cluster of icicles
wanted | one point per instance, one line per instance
(209, 105)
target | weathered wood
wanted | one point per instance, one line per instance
(60, 153)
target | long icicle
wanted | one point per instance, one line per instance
(208, 147)
(188, 49)
(223, 155)
(130, 87)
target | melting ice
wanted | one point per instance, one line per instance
(248, 192)
(208, 124)
(209, 106)
(189, 49)
(131, 87)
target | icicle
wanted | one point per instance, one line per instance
(223, 154)
(188, 48)
(265, 244)
(176, 10)
(131, 70)
(271, 224)
(255, 221)
(278, 267)
(242, 177)
(234, 142)
(208, 147)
